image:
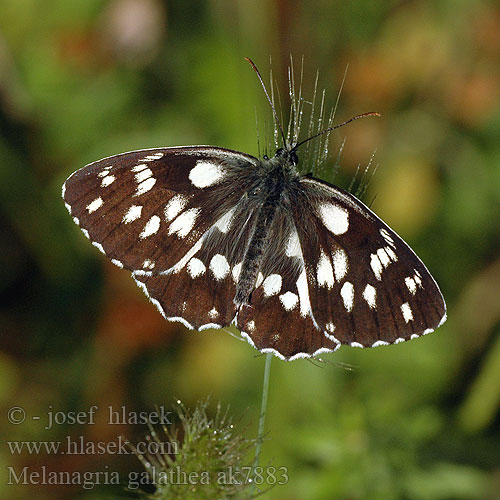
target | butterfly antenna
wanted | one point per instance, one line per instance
(268, 99)
(329, 129)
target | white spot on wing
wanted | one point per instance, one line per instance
(109, 179)
(370, 295)
(174, 318)
(236, 272)
(148, 264)
(104, 172)
(117, 263)
(184, 223)
(443, 319)
(219, 266)
(213, 313)
(411, 285)
(145, 186)
(391, 254)
(193, 251)
(407, 312)
(274, 352)
(143, 175)
(133, 213)
(260, 279)
(156, 156)
(376, 266)
(340, 264)
(347, 293)
(139, 168)
(251, 326)
(224, 223)
(293, 245)
(378, 343)
(97, 203)
(334, 217)
(206, 174)
(289, 300)
(272, 285)
(387, 237)
(305, 304)
(174, 206)
(208, 326)
(383, 257)
(98, 246)
(325, 271)
(196, 268)
(151, 227)
(330, 327)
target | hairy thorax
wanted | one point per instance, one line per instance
(277, 180)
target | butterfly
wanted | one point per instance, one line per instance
(216, 237)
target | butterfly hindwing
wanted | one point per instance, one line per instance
(201, 300)
(278, 318)
(199, 290)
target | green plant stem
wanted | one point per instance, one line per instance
(263, 410)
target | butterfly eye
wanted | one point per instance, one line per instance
(254, 192)
(294, 159)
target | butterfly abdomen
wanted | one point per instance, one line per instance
(271, 188)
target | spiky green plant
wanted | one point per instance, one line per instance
(207, 460)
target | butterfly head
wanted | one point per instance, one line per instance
(288, 156)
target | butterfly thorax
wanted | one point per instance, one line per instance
(276, 181)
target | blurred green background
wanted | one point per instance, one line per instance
(85, 79)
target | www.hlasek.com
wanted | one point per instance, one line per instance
(261, 476)
(78, 445)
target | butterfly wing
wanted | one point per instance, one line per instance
(366, 286)
(278, 318)
(146, 209)
(199, 290)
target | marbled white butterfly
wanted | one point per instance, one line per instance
(217, 237)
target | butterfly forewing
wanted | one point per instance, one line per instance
(366, 285)
(146, 209)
